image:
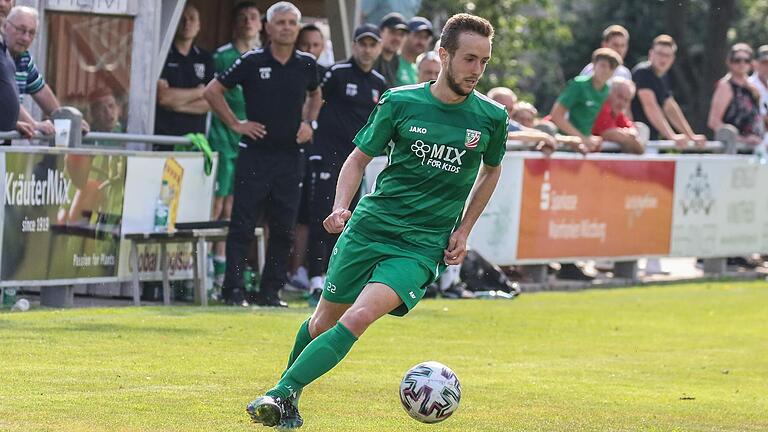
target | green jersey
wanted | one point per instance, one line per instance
(434, 150)
(407, 73)
(583, 102)
(223, 139)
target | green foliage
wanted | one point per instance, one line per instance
(671, 358)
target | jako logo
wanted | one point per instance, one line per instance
(418, 130)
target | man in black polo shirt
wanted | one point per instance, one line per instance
(276, 81)
(394, 30)
(181, 108)
(351, 90)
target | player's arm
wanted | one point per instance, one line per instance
(486, 182)
(174, 98)
(349, 183)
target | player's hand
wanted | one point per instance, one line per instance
(304, 133)
(251, 129)
(335, 222)
(26, 130)
(457, 249)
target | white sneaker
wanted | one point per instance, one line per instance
(300, 279)
(316, 283)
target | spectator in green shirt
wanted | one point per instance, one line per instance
(417, 43)
(578, 105)
(246, 23)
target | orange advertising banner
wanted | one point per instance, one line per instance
(595, 208)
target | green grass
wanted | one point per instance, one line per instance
(600, 360)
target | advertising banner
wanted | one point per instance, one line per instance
(172, 176)
(62, 215)
(595, 208)
(721, 207)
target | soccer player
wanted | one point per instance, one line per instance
(441, 138)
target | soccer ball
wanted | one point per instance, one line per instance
(430, 392)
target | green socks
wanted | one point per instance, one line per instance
(319, 357)
(303, 338)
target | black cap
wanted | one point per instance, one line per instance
(367, 30)
(420, 23)
(395, 21)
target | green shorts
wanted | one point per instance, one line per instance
(225, 176)
(357, 261)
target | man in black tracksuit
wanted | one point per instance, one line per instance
(276, 82)
(351, 90)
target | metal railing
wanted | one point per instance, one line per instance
(95, 137)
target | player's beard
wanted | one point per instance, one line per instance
(452, 83)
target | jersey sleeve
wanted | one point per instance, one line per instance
(373, 138)
(234, 74)
(35, 81)
(569, 97)
(497, 146)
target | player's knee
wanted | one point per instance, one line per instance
(319, 324)
(358, 319)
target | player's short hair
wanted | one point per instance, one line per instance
(614, 30)
(282, 7)
(501, 91)
(461, 23)
(23, 10)
(608, 55)
(665, 40)
(242, 6)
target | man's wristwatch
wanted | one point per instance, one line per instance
(311, 123)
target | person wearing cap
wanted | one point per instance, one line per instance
(394, 31)
(351, 90)
(416, 43)
(282, 100)
(759, 79)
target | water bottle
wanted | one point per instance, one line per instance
(249, 277)
(161, 209)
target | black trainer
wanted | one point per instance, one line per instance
(266, 410)
(291, 418)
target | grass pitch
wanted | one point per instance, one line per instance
(672, 358)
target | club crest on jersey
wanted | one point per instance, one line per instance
(265, 72)
(351, 89)
(375, 94)
(199, 70)
(473, 137)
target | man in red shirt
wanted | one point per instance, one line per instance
(612, 124)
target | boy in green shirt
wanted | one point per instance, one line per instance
(246, 21)
(578, 105)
